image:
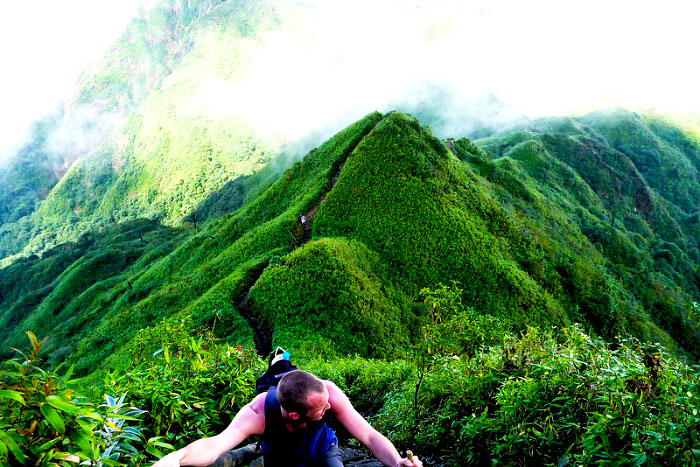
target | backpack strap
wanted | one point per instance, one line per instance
(273, 417)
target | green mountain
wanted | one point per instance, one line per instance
(546, 223)
(544, 226)
(537, 233)
(458, 288)
(101, 159)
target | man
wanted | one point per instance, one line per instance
(289, 416)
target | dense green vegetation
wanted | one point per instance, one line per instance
(554, 397)
(64, 293)
(461, 393)
(534, 246)
(24, 181)
(648, 267)
(530, 297)
(158, 271)
(47, 418)
(149, 101)
(369, 251)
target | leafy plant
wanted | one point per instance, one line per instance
(554, 398)
(191, 386)
(452, 331)
(45, 421)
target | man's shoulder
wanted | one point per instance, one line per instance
(332, 387)
(257, 405)
(337, 398)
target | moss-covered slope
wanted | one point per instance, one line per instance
(140, 138)
(203, 273)
(567, 179)
(530, 225)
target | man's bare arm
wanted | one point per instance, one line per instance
(250, 420)
(358, 427)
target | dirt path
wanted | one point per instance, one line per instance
(250, 455)
(312, 212)
(262, 334)
(450, 143)
(262, 331)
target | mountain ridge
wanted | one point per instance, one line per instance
(405, 212)
(514, 291)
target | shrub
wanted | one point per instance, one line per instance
(45, 421)
(551, 398)
(191, 385)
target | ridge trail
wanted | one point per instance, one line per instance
(312, 212)
(262, 330)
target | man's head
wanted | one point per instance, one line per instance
(302, 396)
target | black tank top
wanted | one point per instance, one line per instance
(296, 448)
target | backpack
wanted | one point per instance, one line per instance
(279, 366)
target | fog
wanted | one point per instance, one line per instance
(476, 63)
(45, 45)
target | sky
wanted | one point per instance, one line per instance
(540, 57)
(44, 45)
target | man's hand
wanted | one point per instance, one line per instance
(408, 463)
(171, 460)
(250, 420)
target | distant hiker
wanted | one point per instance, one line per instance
(290, 418)
(303, 220)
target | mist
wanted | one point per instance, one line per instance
(81, 130)
(45, 46)
(460, 67)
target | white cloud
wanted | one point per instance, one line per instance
(45, 45)
(543, 58)
(345, 59)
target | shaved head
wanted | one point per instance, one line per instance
(294, 389)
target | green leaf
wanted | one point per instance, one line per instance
(162, 445)
(14, 395)
(68, 374)
(18, 366)
(76, 380)
(47, 445)
(34, 341)
(84, 443)
(128, 449)
(110, 462)
(130, 436)
(110, 400)
(16, 451)
(65, 406)
(154, 451)
(122, 417)
(54, 419)
(640, 459)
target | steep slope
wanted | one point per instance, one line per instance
(668, 160)
(648, 259)
(390, 210)
(66, 291)
(134, 140)
(210, 271)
